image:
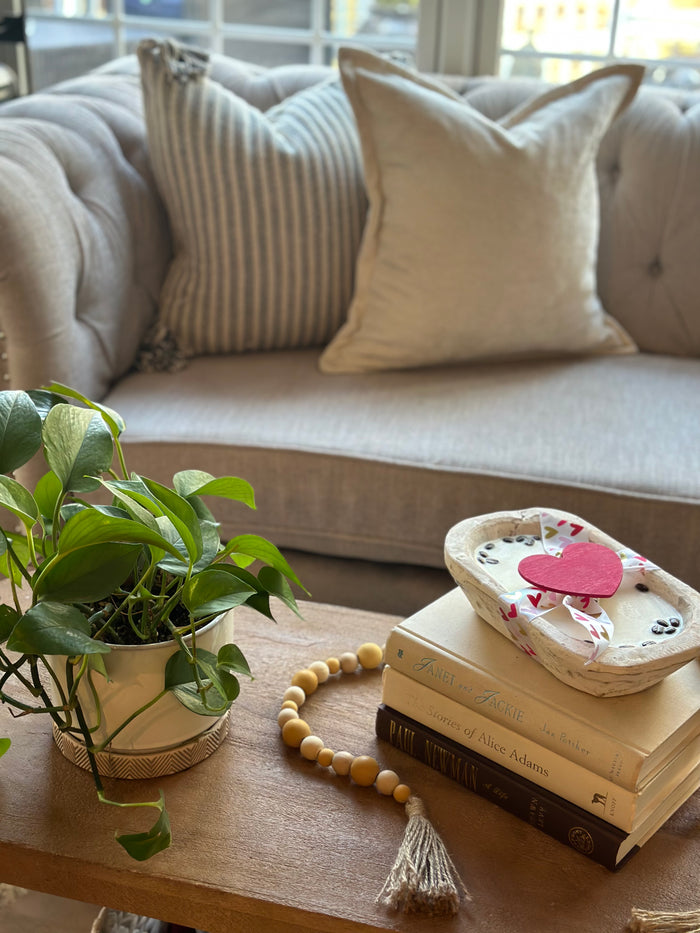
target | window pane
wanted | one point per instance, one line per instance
(390, 20)
(172, 9)
(288, 14)
(267, 53)
(68, 8)
(62, 50)
(558, 27)
(402, 56)
(552, 70)
(134, 35)
(536, 31)
(662, 30)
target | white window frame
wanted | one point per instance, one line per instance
(459, 36)
(454, 36)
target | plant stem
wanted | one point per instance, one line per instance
(119, 609)
(102, 745)
(32, 549)
(76, 681)
(52, 710)
(14, 668)
(120, 455)
(20, 566)
(56, 517)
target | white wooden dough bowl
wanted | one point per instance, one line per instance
(655, 631)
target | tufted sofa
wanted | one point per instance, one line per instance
(359, 476)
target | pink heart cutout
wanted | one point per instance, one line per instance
(584, 569)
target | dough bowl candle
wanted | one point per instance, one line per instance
(596, 614)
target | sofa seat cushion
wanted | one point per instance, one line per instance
(379, 466)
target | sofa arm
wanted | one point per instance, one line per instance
(84, 241)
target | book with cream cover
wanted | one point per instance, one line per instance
(625, 739)
(619, 806)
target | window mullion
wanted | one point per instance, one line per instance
(318, 12)
(216, 13)
(614, 21)
(459, 36)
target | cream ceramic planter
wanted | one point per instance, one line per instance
(163, 739)
(656, 618)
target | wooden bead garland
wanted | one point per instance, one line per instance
(423, 877)
(296, 733)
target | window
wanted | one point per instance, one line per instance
(560, 40)
(553, 39)
(67, 37)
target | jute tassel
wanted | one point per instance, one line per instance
(651, 921)
(424, 878)
(9, 893)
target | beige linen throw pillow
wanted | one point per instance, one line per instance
(481, 238)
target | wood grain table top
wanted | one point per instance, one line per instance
(266, 841)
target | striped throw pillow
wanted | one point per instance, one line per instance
(266, 209)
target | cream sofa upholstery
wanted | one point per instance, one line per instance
(358, 477)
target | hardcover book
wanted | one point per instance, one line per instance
(626, 739)
(623, 808)
(547, 812)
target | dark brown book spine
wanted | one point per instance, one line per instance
(547, 812)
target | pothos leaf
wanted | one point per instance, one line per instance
(113, 419)
(78, 447)
(231, 658)
(220, 683)
(8, 619)
(52, 628)
(191, 699)
(20, 430)
(258, 548)
(4, 745)
(142, 846)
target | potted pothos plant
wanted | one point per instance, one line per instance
(140, 565)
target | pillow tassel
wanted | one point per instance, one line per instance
(423, 878)
(656, 921)
(184, 63)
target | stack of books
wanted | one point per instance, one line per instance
(601, 774)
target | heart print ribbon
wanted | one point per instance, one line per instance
(518, 608)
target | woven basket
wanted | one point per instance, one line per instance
(119, 921)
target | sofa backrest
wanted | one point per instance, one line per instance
(649, 184)
(80, 149)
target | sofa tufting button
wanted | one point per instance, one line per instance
(614, 171)
(655, 268)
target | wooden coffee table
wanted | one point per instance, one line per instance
(266, 841)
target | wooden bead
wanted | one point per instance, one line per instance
(401, 793)
(387, 782)
(348, 662)
(325, 757)
(310, 747)
(364, 770)
(321, 670)
(333, 665)
(286, 715)
(296, 694)
(341, 762)
(306, 679)
(370, 655)
(290, 704)
(294, 732)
